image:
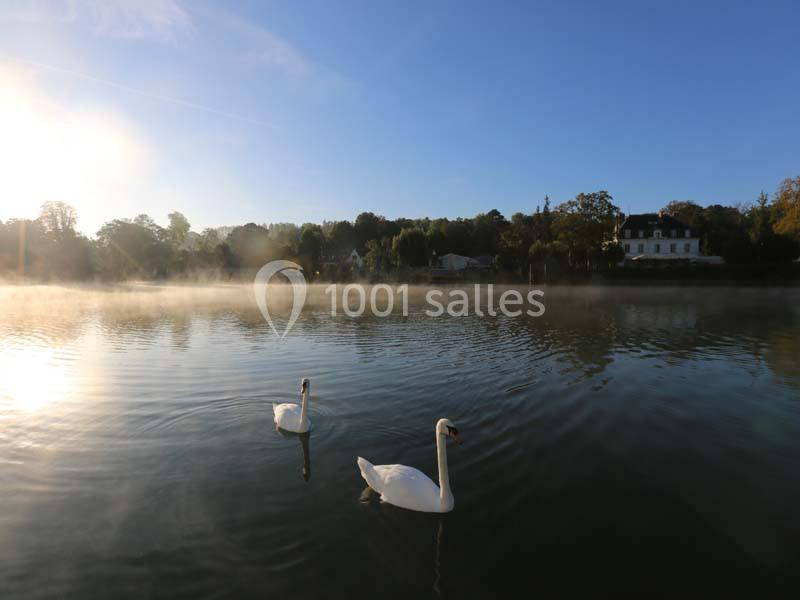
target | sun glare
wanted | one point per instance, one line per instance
(51, 152)
(31, 379)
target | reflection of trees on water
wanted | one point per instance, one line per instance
(584, 328)
(588, 331)
(783, 356)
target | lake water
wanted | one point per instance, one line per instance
(635, 438)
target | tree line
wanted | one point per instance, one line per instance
(576, 236)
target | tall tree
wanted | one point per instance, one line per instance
(487, 229)
(310, 246)
(58, 219)
(760, 227)
(367, 227)
(380, 255)
(585, 225)
(687, 212)
(787, 209)
(725, 234)
(251, 246)
(341, 237)
(179, 227)
(411, 247)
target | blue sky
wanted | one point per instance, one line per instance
(288, 111)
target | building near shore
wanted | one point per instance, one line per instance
(658, 236)
(456, 262)
(353, 259)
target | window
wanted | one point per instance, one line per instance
(673, 248)
(673, 233)
(657, 234)
(688, 233)
(628, 233)
(687, 247)
(658, 248)
(641, 248)
(627, 248)
(641, 233)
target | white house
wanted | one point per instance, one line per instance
(657, 236)
(354, 259)
(456, 262)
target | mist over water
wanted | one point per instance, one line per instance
(630, 437)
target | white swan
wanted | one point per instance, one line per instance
(294, 417)
(409, 488)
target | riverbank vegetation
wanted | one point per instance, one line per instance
(574, 238)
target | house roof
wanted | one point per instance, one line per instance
(649, 222)
(484, 260)
(456, 255)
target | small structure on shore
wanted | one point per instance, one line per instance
(456, 262)
(456, 267)
(353, 259)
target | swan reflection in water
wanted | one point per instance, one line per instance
(305, 439)
(437, 561)
(370, 496)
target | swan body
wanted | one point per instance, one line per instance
(294, 417)
(410, 488)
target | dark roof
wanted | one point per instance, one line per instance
(484, 260)
(649, 222)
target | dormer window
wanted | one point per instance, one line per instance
(641, 233)
(657, 234)
(628, 233)
(688, 233)
(673, 233)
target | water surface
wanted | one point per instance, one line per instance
(642, 439)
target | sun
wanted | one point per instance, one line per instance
(53, 150)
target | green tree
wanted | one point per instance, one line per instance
(726, 234)
(58, 219)
(760, 227)
(545, 224)
(207, 253)
(458, 237)
(486, 232)
(515, 242)
(367, 227)
(585, 225)
(379, 255)
(179, 227)
(310, 246)
(689, 213)
(251, 246)
(132, 249)
(341, 237)
(411, 247)
(62, 252)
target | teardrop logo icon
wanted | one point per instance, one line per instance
(294, 273)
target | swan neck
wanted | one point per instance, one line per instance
(304, 409)
(445, 495)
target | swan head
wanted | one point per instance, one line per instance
(305, 385)
(445, 427)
